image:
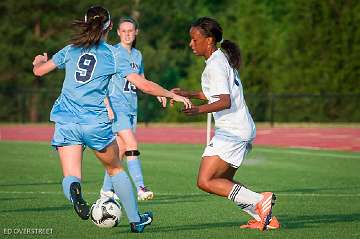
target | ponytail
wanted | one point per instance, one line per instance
(91, 30)
(232, 51)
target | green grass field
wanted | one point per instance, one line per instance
(318, 194)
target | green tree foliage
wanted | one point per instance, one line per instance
(288, 47)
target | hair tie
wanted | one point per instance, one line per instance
(106, 24)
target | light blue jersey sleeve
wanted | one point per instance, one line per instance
(60, 57)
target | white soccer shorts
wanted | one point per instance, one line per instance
(230, 150)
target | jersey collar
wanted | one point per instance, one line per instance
(212, 56)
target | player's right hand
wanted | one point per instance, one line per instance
(40, 59)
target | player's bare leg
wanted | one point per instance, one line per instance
(71, 158)
(123, 188)
(215, 176)
(134, 165)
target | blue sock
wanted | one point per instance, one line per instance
(124, 190)
(134, 167)
(107, 184)
(67, 181)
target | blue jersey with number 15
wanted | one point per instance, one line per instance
(122, 93)
(87, 75)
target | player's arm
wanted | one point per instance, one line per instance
(42, 65)
(190, 94)
(161, 99)
(151, 88)
(223, 103)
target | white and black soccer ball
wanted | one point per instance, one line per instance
(106, 213)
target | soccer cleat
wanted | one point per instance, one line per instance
(273, 224)
(145, 194)
(145, 219)
(253, 224)
(109, 194)
(264, 209)
(80, 205)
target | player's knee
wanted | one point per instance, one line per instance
(203, 184)
(131, 143)
(131, 146)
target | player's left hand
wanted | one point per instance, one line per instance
(194, 110)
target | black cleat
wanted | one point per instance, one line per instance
(80, 205)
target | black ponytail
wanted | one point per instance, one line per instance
(232, 51)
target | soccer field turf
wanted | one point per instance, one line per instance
(318, 194)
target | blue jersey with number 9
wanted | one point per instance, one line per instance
(87, 75)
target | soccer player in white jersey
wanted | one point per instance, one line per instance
(80, 115)
(234, 127)
(123, 99)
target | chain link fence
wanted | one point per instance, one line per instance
(34, 106)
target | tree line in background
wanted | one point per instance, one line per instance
(301, 59)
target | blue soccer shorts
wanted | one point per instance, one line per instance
(95, 136)
(124, 121)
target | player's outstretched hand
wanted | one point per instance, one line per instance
(177, 91)
(162, 100)
(194, 110)
(186, 101)
(40, 59)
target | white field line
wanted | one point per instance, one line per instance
(316, 153)
(202, 194)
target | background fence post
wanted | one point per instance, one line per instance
(272, 109)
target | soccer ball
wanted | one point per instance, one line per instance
(106, 213)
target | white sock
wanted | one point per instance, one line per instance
(246, 200)
(250, 209)
(242, 195)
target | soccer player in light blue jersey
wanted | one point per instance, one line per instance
(80, 115)
(123, 98)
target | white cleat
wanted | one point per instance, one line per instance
(108, 194)
(145, 194)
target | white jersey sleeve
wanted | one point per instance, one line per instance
(218, 76)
